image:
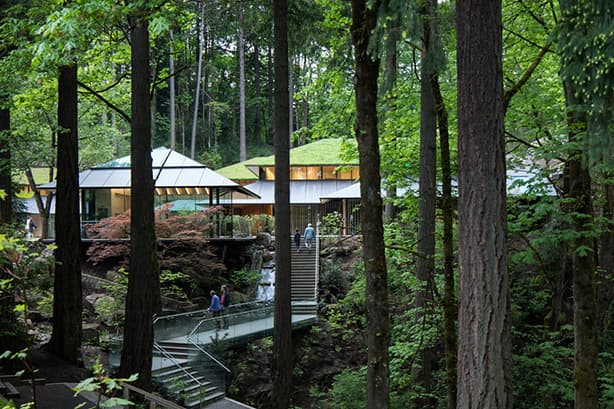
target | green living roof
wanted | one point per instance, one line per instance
(319, 153)
(239, 171)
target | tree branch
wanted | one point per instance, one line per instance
(106, 101)
(513, 90)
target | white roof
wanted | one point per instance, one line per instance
(169, 169)
(302, 192)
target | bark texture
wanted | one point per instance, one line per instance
(450, 310)
(586, 339)
(283, 361)
(364, 20)
(6, 184)
(425, 264)
(143, 287)
(484, 350)
(67, 302)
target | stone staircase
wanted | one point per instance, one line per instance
(188, 380)
(304, 278)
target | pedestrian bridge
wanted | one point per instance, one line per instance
(188, 347)
(239, 324)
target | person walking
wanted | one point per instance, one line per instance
(30, 227)
(215, 308)
(297, 240)
(225, 301)
(309, 235)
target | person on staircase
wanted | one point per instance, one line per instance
(297, 240)
(215, 308)
(225, 301)
(309, 235)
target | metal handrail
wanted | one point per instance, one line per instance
(155, 401)
(317, 266)
(213, 358)
(203, 321)
(169, 356)
(196, 312)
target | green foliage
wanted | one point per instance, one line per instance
(110, 307)
(245, 281)
(331, 224)
(542, 368)
(333, 282)
(585, 43)
(24, 279)
(211, 159)
(103, 385)
(262, 223)
(348, 390)
(177, 285)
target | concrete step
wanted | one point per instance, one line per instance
(169, 371)
(209, 399)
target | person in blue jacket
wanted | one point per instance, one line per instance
(309, 235)
(215, 308)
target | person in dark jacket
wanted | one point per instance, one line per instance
(225, 301)
(297, 240)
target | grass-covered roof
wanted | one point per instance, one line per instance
(323, 152)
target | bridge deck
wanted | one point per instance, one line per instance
(238, 333)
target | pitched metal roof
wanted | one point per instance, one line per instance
(170, 169)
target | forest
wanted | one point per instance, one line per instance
(467, 295)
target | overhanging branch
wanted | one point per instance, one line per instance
(106, 101)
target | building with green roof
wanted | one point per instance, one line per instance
(317, 169)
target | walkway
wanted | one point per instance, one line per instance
(239, 331)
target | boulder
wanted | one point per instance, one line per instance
(90, 299)
(90, 333)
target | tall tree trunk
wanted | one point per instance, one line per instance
(586, 343)
(574, 15)
(450, 310)
(172, 98)
(198, 75)
(6, 183)
(484, 327)
(67, 303)
(364, 20)
(258, 137)
(606, 255)
(269, 129)
(425, 264)
(390, 79)
(143, 295)
(283, 355)
(291, 99)
(241, 47)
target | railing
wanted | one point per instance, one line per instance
(257, 315)
(174, 362)
(317, 267)
(210, 356)
(154, 400)
(174, 325)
